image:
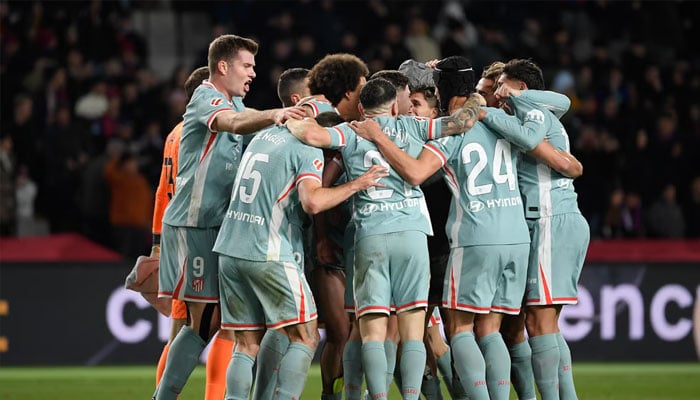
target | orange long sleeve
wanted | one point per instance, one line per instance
(166, 185)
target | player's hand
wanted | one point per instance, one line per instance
(432, 63)
(288, 113)
(482, 114)
(155, 251)
(371, 178)
(504, 91)
(326, 251)
(368, 129)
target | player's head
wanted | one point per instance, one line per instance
(339, 77)
(195, 79)
(454, 77)
(293, 86)
(231, 63)
(522, 74)
(400, 82)
(425, 102)
(378, 97)
(487, 85)
(328, 119)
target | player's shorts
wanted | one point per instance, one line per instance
(482, 279)
(263, 294)
(179, 310)
(391, 266)
(435, 318)
(188, 266)
(438, 265)
(557, 251)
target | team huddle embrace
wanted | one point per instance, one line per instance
(407, 197)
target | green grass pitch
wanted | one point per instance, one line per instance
(599, 381)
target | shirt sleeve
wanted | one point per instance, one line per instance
(340, 135)
(444, 148)
(209, 103)
(555, 102)
(526, 134)
(310, 164)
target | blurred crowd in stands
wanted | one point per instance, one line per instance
(84, 114)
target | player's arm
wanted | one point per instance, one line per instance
(250, 120)
(557, 103)
(325, 247)
(463, 118)
(561, 161)
(412, 170)
(315, 198)
(525, 135)
(309, 132)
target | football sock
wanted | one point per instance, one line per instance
(183, 356)
(352, 370)
(374, 365)
(334, 396)
(444, 364)
(272, 348)
(497, 365)
(412, 367)
(293, 370)
(390, 348)
(430, 387)
(239, 376)
(545, 364)
(567, 390)
(521, 376)
(218, 359)
(161, 363)
(469, 366)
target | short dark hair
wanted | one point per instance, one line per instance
(289, 82)
(428, 93)
(195, 79)
(329, 118)
(225, 47)
(397, 78)
(376, 93)
(525, 71)
(335, 75)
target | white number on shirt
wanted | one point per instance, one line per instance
(247, 172)
(501, 156)
(370, 158)
(198, 267)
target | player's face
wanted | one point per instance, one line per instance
(240, 73)
(354, 98)
(504, 80)
(421, 108)
(487, 88)
(404, 101)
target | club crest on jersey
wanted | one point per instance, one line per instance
(198, 284)
(215, 102)
(318, 164)
(535, 116)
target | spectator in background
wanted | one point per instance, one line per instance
(623, 218)
(665, 217)
(130, 205)
(692, 210)
(7, 186)
(25, 193)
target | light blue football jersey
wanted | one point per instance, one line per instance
(207, 162)
(545, 191)
(318, 106)
(398, 206)
(264, 215)
(481, 171)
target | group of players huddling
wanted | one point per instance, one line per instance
(493, 161)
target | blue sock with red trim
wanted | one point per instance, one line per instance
(374, 364)
(293, 371)
(272, 348)
(469, 365)
(412, 367)
(545, 364)
(497, 365)
(182, 359)
(567, 390)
